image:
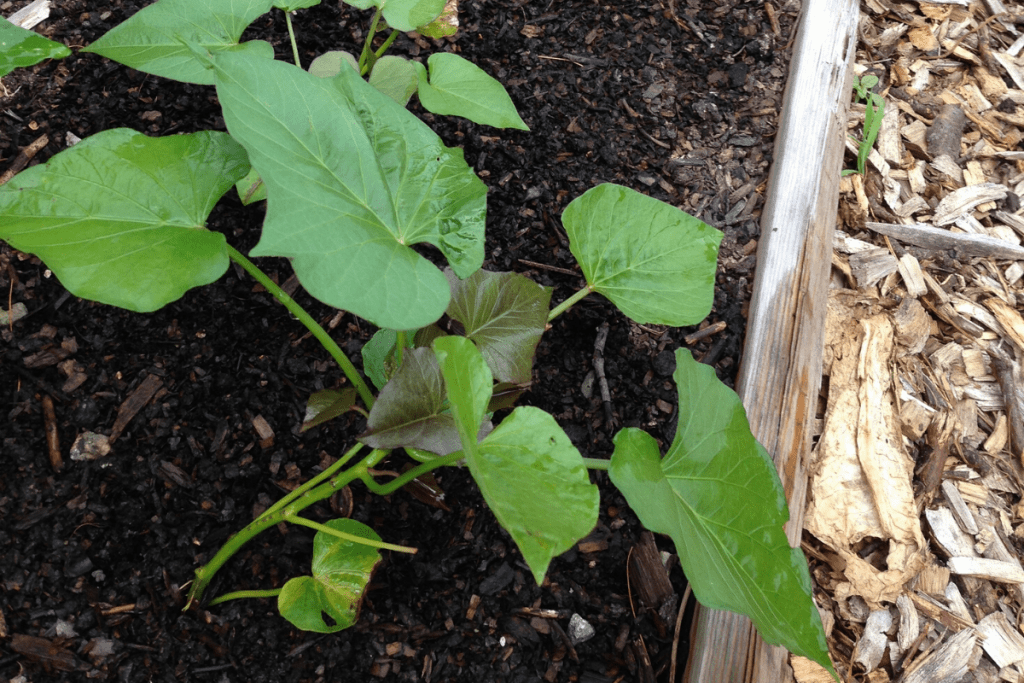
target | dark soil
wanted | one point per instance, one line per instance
(93, 557)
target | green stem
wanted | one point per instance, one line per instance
(568, 303)
(367, 57)
(387, 43)
(352, 538)
(291, 34)
(237, 595)
(323, 476)
(306, 319)
(405, 478)
(399, 347)
(596, 464)
(278, 513)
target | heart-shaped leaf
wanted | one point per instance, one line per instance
(353, 180)
(157, 38)
(395, 77)
(327, 404)
(653, 261)
(20, 47)
(120, 217)
(404, 15)
(505, 315)
(528, 471)
(716, 493)
(341, 570)
(458, 87)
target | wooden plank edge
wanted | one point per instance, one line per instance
(780, 373)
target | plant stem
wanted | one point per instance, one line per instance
(387, 43)
(237, 595)
(306, 319)
(291, 34)
(367, 57)
(568, 303)
(352, 538)
(277, 514)
(405, 478)
(399, 347)
(323, 476)
(596, 463)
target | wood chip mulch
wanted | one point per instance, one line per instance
(915, 525)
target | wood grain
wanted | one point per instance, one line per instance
(781, 371)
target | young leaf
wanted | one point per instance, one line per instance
(653, 261)
(20, 47)
(329, 64)
(530, 474)
(327, 404)
(468, 382)
(505, 314)
(459, 87)
(411, 409)
(341, 570)
(447, 24)
(156, 38)
(120, 217)
(353, 180)
(395, 77)
(404, 15)
(716, 493)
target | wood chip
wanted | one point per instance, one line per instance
(981, 567)
(929, 237)
(264, 431)
(135, 402)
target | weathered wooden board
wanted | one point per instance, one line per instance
(781, 371)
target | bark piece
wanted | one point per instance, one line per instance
(135, 402)
(936, 239)
(946, 132)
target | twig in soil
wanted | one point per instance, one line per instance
(52, 437)
(564, 637)
(691, 339)
(542, 266)
(602, 381)
(25, 156)
(679, 628)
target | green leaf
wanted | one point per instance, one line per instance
(329, 64)
(447, 24)
(292, 5)
(653, 261)
(327, 404)
(156, 38)
(468, 383)
(458, 87)
(530, 474)
(341, 570)
(353, 180)
(404, 15)
(505, 314)
(535, 482)
(120, 217)
(395, 77)
(20, 47)
(717, 494)
(251, 188)
(376, 354)
(411, 409)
